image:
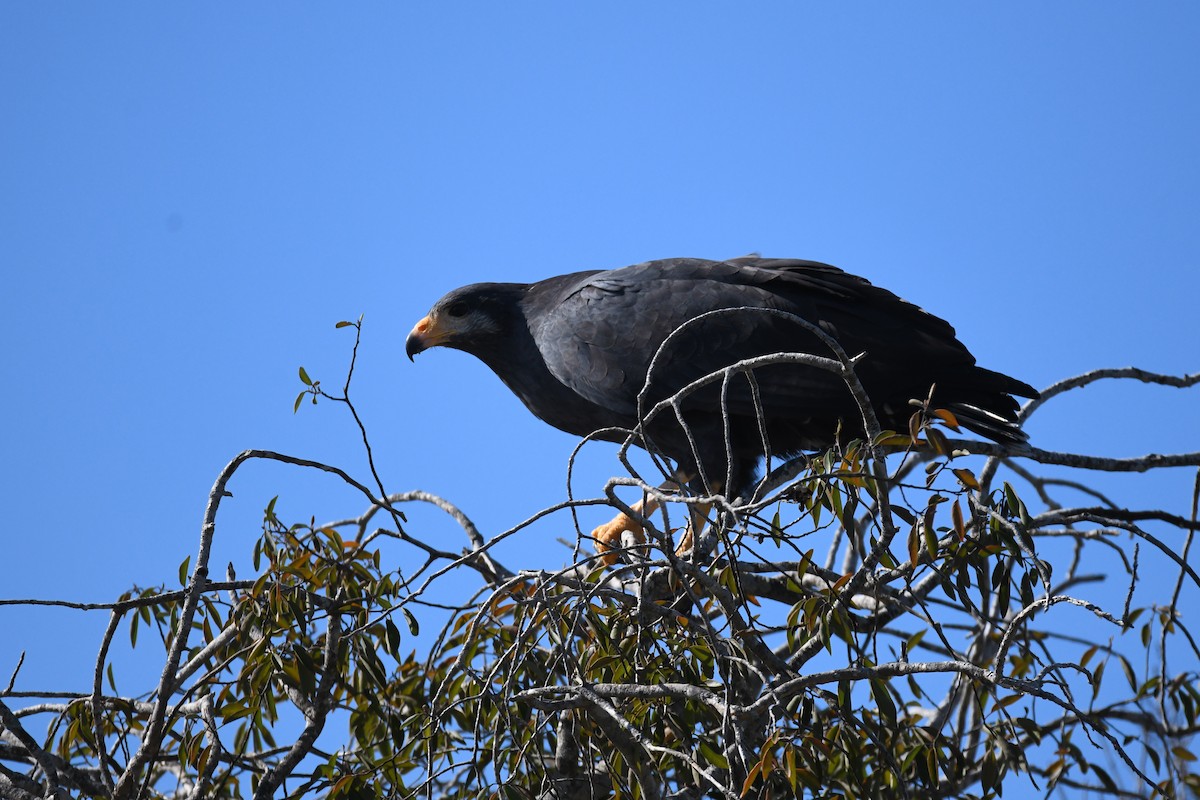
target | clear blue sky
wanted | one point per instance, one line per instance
(191, 195)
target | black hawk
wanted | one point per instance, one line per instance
(577, 350)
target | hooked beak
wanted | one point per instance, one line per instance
(421, 338)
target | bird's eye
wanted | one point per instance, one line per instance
(457, 309)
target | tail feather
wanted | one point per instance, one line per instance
(998, 427)
(984, 403)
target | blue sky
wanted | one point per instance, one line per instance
(192, 195)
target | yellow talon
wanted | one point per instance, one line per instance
(609, 535)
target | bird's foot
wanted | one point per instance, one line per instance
(613, 537)
(686, 541)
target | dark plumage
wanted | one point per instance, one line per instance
(576, 349)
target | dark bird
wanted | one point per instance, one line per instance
(577, 349)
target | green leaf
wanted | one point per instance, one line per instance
(235, 710)
(1011, 499)
(805, 563)
(299, 400)
(304, 377)
(1106, 779)
(712, 756)
(306, 670)
(883, 698)
(990, 774)
(931, 541)
(343, 324)
(413, 627)
(269, 511)
(183, 571)
(391, 637)
(793, 773)
(1153, 755)
(938, 440)
(1097, 678)
(1129, 675)
(1182, 753)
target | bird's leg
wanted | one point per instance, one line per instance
(609, 536)
(699, 516)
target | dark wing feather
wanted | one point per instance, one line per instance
(599, 337)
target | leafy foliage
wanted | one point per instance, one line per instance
(887, 619)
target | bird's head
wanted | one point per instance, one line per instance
(471, 319)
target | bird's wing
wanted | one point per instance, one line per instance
(601, 338)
